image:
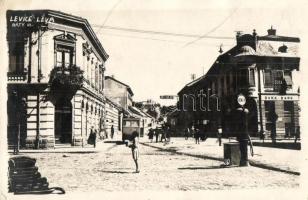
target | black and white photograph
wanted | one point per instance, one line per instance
(153, 99)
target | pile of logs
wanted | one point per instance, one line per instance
(24, 177)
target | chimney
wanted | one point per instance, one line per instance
(254, 33)
(271, 31)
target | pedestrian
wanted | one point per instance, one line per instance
(135, 150)
(219, 135)
(197, 135)
(92, 137)
(168, 134)
(163, 134)
(186, 133)
(151, 134)
(112, 132)
(156, 134)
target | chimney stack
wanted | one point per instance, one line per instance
(271, 31)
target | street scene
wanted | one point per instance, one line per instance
(122, 98)
(186, 167)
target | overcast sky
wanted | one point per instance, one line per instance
(155, 64)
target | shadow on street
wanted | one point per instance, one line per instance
(281, 145)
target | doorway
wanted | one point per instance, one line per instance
(63, 122)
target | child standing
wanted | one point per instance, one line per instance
(135, 151)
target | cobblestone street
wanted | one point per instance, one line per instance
(160, 170)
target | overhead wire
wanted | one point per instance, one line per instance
(156, 39)
(109, 14)
(159, 32)
(213, 29)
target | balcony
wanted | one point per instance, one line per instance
(64, 82)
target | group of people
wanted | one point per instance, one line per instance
(197, 133)
(162, 135)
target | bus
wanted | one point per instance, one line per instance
(129, 126)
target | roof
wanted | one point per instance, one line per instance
(278, 38)
(64, 17)
(136, 112)
(127, 86)
(246, 51)
(245, 48)
(190, 84)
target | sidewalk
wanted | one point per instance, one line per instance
(101, 146)
(283, 160)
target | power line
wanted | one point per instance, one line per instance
(214, 29)
(156, 39)
(109, 13)
(160, 32)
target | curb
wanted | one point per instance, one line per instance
(252, 163)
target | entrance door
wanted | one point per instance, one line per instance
(63, 122)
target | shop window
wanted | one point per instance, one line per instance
(269, 109)
(288, 107)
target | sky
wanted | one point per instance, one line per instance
(156, 64)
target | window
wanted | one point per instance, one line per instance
(222, 85)
(277, 78)
(96, 76)
(16, 57)
(65, 57)
(268, 82)
(64, 50)
(251, 77)
(269, 109)
(288, 78)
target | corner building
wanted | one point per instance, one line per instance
(266, 70)
(55, 79)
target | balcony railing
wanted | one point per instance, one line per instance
(12, 76)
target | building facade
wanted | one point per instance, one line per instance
(55, 78)
(118, 92)
(263, 68)
(114, 117)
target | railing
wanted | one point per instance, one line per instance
(16, 76)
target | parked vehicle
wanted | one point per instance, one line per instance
(129, 126)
